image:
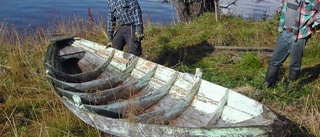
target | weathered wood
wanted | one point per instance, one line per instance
(239, 48)
(176, 103)
(174, 110)
(115, 94)
(217, 116)
(217, 9)
(120, 92)
(123, 127)
(84, 76)
(98, 84)
(146, 101)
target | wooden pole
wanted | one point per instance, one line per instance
(216, 9)
(243, 48)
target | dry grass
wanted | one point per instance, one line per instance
(28, 106)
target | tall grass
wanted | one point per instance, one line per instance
(31, 109)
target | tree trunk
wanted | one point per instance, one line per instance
(190, 9)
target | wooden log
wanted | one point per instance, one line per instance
(238, 48)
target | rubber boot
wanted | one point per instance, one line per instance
(271, 76)
(293, 76)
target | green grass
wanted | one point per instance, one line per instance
(31, 109)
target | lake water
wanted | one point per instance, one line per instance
(257, 9)
(30, 13)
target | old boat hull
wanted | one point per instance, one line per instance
(150, 99)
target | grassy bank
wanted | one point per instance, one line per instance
(29, 108)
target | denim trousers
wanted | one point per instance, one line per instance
(285, 46)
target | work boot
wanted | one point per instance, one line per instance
(271, 76)
(293, 76)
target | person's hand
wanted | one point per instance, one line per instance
(139, 33)
(110, 42)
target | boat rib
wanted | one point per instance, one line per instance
(112, 94)
(98, 84)
(85, 76)
(175, 110)
(218, 112)
(143, 102)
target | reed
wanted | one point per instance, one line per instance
(29, 107)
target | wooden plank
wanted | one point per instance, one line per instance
(194, 116)
(177, 107)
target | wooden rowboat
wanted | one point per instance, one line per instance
(124, 95)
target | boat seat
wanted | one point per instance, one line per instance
(77, 55)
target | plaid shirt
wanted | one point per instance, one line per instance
(125, 11)
(307, 17)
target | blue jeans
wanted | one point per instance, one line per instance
(285, 46)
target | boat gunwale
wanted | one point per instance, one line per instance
(84, 114)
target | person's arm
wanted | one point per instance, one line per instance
(282, 9)
(315, 18)
(137, 20)
(111, 21)
(137, 12)
(281, 6)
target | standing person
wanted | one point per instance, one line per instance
(130, 30)
(295, 27)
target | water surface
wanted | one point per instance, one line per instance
(248, 9)
(28, 13)
(31, 13)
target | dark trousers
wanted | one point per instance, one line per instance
(125, 35)
(285, 46)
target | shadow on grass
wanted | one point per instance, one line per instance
(284, 127)
(298, 131)
(310, 74)
(188, 55)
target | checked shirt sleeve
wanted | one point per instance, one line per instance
(111, 19)
(316, 16)
(137, 13)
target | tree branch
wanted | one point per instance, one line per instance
(232, 3)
